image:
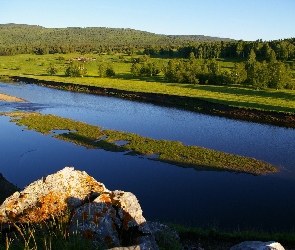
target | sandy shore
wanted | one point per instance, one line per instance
(9, 98)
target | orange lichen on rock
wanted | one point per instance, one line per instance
(50, 196)
(108, 240)
(97, 216)
(95, 186)
(105, 198)
(11, 215)
(88, 234)
(48, 206)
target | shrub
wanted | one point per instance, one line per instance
(75, 70)
(106, 70)
(52, 70)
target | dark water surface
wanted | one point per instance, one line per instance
(165, 192)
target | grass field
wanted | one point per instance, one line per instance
(35, 66)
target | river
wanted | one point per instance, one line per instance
(165, 192)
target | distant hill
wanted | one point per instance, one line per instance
(34, 35)
(200, 38)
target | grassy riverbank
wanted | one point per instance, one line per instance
(171, 152)
(34, 66)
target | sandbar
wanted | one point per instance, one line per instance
(9, 98)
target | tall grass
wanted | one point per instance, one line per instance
(47, 235)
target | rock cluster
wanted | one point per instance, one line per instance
(108, 218)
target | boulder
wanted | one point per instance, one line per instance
(50, 196)
(108, 218)
(113, 219)
(258, 245)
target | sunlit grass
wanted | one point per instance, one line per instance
(172, 152)
(34, 66)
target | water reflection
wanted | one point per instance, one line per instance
(165, 192)
(272, 144)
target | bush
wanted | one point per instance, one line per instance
(51, 70)
(75, 70)
(106, 70)
(147, 68)
(110, 72)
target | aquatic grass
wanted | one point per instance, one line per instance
(172, 152)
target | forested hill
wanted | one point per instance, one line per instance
(33, 39)
(22, 34)
(200, 38)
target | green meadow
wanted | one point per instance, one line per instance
(35, 66)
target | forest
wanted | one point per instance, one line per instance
(190, 59)
(26, 39)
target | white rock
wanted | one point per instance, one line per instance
(258, 245)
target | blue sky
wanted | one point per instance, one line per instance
(237, 19)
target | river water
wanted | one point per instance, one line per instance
(165, 192)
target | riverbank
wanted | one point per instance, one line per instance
(283, 119)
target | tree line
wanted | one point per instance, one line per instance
(273, 74)
(279, 49)
(30, 39)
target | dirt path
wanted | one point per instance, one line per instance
(9, 98)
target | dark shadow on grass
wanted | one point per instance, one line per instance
(127, 76)
(238, 91)
(265, 107)
(247, 105)
(253, 106)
